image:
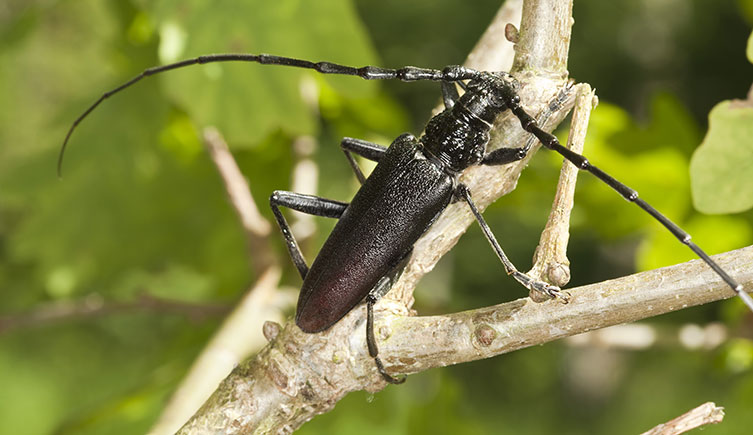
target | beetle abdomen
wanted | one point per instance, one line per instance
(394, 207)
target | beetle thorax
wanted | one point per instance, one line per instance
(458, 136)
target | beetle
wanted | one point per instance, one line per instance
(414, 181)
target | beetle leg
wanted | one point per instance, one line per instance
(449, 94)
(503, 156)
(363, 148)
(308, 204)
(528, 282)
(380, 289)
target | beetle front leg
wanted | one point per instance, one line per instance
(503, 156)
(528, 282)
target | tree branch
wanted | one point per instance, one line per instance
(290, 381)
(490, 331)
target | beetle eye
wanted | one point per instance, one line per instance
(497, 100)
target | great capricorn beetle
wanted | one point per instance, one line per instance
(414, 181)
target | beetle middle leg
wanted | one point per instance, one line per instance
(308, 204)
(324, 207)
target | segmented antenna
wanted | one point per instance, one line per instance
(409, 73)
(550, 141)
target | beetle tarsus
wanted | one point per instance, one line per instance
(386, 376)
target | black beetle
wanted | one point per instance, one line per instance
(414, 181)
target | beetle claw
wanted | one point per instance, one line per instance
(563, 296)
(549, 291)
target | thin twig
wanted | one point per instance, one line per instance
(241, 333)
(708, 413)
(256, 227)
(550, 258)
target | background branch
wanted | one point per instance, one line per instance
(257, 228)
(241, 333)
(96, 306)
(708, 413)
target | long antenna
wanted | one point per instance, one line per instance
(408, 73)
(550, 141)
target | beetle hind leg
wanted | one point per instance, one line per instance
(380, 289)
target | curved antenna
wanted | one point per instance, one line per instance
(409, 73)
(550, 142)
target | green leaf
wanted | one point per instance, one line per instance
(249, 101)
(721, 170)
(749, 51)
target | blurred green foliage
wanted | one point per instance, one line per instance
(141, 210)
(722, 165)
